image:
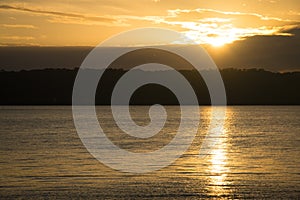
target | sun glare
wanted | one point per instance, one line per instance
(215, 40)
(218, 42)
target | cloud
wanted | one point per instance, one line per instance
(13, 37)
(213, 12)
(16, 44)
(65, 17)
(55, 13)
(26, 26)
(84, 21)
(208, 26)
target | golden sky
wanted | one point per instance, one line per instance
(88, 22)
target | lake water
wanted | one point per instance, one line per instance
(257, 156)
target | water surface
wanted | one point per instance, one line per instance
(256, 157)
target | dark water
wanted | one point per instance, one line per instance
(257, 157)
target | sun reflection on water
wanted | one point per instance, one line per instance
(218, 162)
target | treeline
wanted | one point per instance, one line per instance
(243, 87)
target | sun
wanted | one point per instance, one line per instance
(218, 41)
(214, 38)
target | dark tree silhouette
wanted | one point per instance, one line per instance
(243, 87)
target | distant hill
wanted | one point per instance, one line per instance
(255, 52)
(243, 87)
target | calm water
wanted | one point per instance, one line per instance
(257, 157)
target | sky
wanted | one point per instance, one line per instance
(88, 22)
(261, 25)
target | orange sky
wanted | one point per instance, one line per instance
(87, 22)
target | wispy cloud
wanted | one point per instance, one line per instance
(66, 17)
(13, 37)
(55, 13)
(177, 12)
(208, 26)
(26, 44)
(26, 26)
